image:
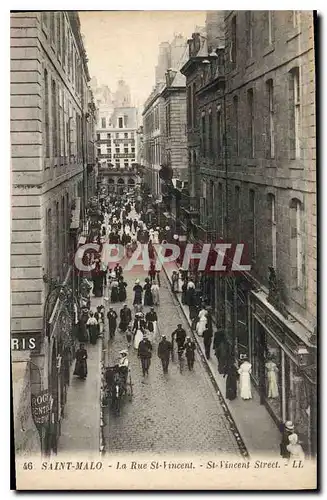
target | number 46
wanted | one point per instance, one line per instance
(28, 466)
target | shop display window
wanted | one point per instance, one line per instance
(297, 391)
(273, 376)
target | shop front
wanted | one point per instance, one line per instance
(283, 369)
(235, 312)
(60, 320)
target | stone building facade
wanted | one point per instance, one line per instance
(164, 118)
(154, 138)
(117, 148)
(52, 162)
(252, 155)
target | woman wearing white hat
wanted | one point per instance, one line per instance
(245, 380)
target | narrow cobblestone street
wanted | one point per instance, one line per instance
(174, 412)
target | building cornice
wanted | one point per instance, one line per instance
(169, 90)
(151, 102)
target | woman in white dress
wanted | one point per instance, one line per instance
(139, 328)
(202, 322)
(180, 282)
(155, 293)
(245, 380)
(127, 229)
(156, 236)
(272, 372)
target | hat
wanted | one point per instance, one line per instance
(289, 426)
(123, 353)
(179, 324)
(137, 281)
(163, 336)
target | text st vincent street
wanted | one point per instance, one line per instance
(170, 465)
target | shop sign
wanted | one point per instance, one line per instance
(26, 342)
(41, 407)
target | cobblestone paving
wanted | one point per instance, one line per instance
(168, 413)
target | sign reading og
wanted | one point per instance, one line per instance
(41, 407)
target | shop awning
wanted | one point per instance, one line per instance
(76, 214)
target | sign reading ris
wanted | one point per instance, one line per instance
(26, 342)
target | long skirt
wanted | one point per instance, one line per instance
(201, 326)
(82, 334)
(152, 330)
(148, 300)
(80, 368)
(122, 295)
(231, 386)
(93, 334)
(193, 312)
(137, 339)
(155, 297)
(245, 386)
(114, 295)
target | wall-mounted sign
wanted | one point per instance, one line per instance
(26, 342)
(41, 406)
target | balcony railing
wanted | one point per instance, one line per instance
(103, 141)
(204, 234)
(124, 141)
(189, 204)
(115, 170)
(105, 155)
(124, 155)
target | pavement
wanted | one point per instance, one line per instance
(258, 430)
(80, 428)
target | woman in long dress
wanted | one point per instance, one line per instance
(202, 322)
(148, 300)
(138, 329)
(122, 290)
(272, 372)
(245, 380)
(155, 293)
(180, 283)
(231, 382)
(81, 364)
(151, 320)
(114, 292)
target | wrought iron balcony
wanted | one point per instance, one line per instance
(189, 205)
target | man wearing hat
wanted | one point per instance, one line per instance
(189, 347)
(144, 352)
(287, 429)
(112, 322)
(125, 318)
(164, 350)
(178, 335)
(138, 291)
